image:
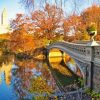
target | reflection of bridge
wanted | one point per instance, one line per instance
(87, 59)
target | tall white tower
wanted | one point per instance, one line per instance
(4, 19)
(4, 27)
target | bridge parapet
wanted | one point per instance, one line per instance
(80, 51)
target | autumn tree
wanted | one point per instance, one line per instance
(44, 25)
(77, 24)
(47, 22)
(70, 27)
(91, 15)
(22, 22)
(21, 40)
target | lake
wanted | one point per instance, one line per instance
(35, 79)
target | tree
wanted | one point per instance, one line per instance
(71, 27)
(22, 22)
(48, 21)
(91, 15)
(20, 39)
(78, 24)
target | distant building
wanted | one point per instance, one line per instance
(4, 25)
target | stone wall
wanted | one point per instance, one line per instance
(96, 79)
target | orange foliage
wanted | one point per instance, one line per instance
(77, 25)
(21, 41)
(22, 22)
(46, 22)
(49, 24)
(70, 27)
(92, 15)
(26, 63)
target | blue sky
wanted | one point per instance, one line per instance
(12, 6)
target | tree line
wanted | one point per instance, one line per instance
(50, 24)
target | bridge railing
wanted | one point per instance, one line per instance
(83, 51)
(72, 47)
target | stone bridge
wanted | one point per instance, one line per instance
(87, 58)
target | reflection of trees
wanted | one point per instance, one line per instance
(21, 82)
(27, 81)
(43, 84)
(40, 86)
(46, 74)
(25, 63)
(5, 58)
(22, 78)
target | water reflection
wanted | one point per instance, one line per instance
(62, 58)
(32, 79)
(71, 64)
(6, 89)
(65, 71)
(6, 67)
(25, 79)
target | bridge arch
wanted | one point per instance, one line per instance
(63, 49)
(78, 52)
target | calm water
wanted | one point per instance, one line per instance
(34, 79)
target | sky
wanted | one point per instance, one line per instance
(69, 5)
(12, 6)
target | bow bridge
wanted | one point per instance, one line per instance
(87, 58)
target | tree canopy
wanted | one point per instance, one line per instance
(50, 24)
